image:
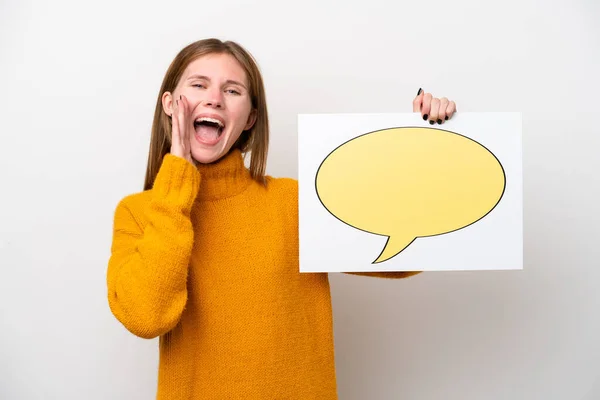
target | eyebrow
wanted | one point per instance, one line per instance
(206, 78)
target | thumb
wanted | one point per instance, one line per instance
(418, 101)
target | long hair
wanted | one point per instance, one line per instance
(254, 141)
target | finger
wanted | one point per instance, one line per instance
(435, 110)
(189, 126)
(188, 122)
(442, 116)
(175, 124)
(418, 101)
(181, 117)
(450, 109)
(426, 106)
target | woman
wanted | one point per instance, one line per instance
(206, 257)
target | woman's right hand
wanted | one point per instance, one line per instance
(181, 130)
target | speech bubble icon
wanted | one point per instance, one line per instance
(410, 182)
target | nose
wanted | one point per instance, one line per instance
(214, 99)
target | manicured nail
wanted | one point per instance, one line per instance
(425, 117)
(431, 122)
(419, 92)
(446, 118)
(439, 121)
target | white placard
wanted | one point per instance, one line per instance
(390, 192)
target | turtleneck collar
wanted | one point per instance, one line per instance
(225, 177)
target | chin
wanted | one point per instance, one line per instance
(208, 155)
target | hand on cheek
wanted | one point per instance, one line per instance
(182, 129)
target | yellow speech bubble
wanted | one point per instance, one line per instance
(406, 183)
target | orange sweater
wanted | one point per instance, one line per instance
(208, 261)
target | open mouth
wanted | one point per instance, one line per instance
(208, 130)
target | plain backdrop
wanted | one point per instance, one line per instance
(78, 84)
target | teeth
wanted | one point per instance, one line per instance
(215, 121)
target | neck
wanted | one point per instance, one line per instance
(224, 178)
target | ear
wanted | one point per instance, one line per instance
(251, 119)
(167, 103)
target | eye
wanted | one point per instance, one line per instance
(198, 85)
(233, 91)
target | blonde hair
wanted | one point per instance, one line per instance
(254, 141)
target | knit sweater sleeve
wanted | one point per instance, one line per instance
(150, 252)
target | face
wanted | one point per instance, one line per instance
(220, 108)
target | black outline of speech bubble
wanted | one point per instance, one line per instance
(388, 237)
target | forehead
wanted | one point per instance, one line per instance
(217, 67)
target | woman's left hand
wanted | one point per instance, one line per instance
(433, 108)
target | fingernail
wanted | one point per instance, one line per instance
(446, 118)
(439, 121)
(177, 102)
(431, 122)
(425, 117)
(419, 92)
(179, 97)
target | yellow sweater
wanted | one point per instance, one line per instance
(207, 260)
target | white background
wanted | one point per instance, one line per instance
(78, 85)
(330, 245)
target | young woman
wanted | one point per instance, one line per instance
(206, 257)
